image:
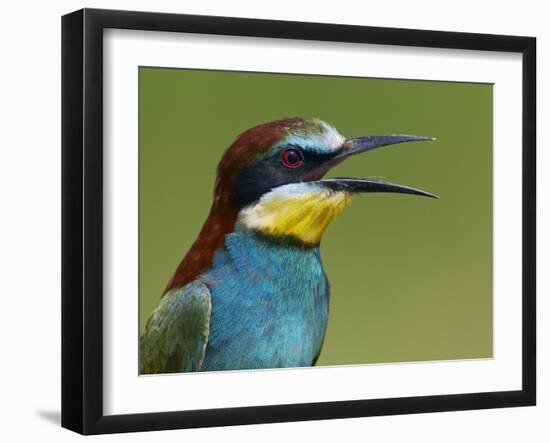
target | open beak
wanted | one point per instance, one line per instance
(363, 144)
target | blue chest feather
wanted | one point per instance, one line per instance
(269, 304)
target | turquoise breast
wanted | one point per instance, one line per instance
(270, 304)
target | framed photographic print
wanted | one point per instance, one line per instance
(270, 221)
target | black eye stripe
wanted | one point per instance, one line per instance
(270, 172)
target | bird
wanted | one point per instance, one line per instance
(252, 292)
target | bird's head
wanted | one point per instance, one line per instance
(273, 173)
(270, 181)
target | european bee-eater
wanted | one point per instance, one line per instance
(252, 292)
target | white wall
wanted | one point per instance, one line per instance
(30, 218)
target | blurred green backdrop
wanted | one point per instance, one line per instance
(411, 278)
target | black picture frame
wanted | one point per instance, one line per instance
(82, 220)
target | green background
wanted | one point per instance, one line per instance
(411, 277)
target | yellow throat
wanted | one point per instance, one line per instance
(299, 210)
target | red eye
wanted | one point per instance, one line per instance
(292, 158)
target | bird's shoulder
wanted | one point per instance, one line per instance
(176, 333)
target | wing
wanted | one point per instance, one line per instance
(176, 333)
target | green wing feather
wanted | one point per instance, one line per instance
(176, 333)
